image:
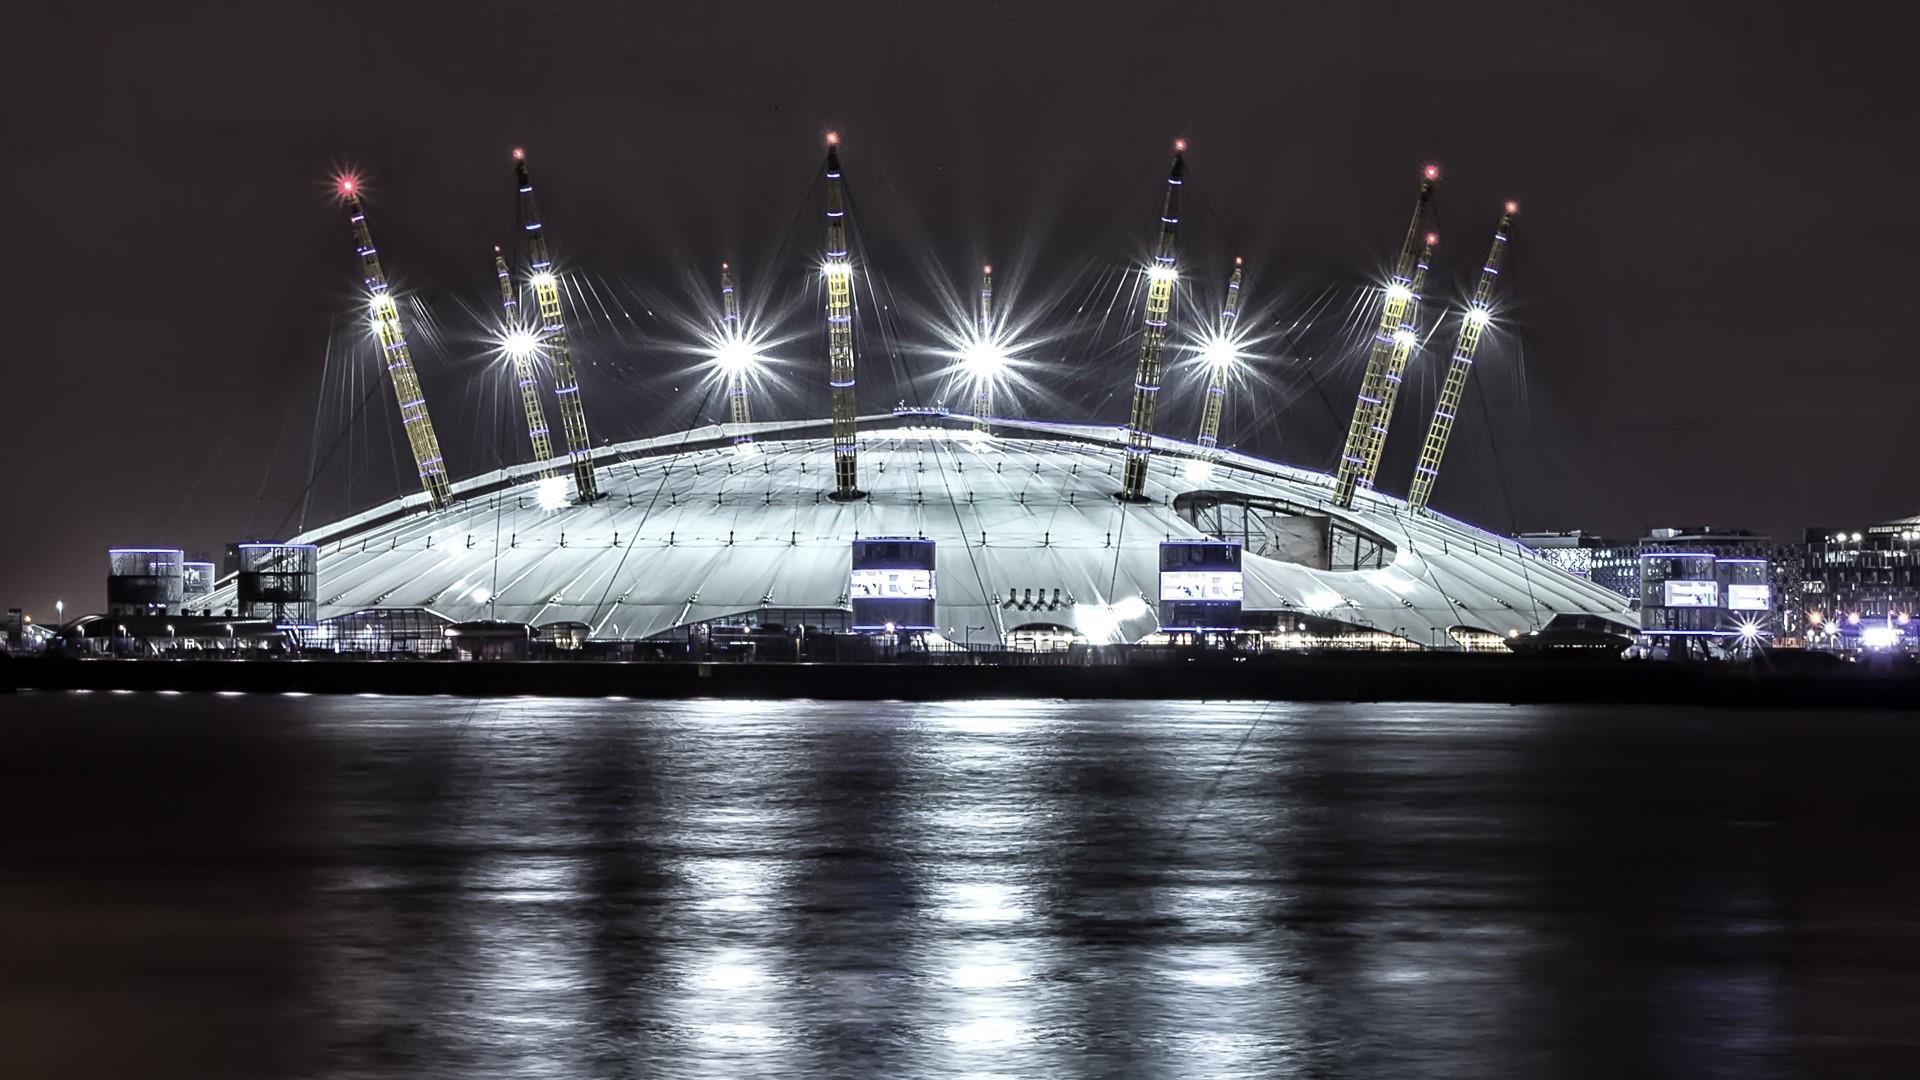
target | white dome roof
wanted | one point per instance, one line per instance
(690, 530)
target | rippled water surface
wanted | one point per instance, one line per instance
(355, 887)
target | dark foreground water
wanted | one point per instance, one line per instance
(261, 887)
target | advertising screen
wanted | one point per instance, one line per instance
(1216, 585)
(1749, 598)
(891, 585)
(1692, 594)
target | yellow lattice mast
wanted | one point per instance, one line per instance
(522, 346)
(837, 268)
(1478, 314)
(983, 339)
(553, 338)
(1161, 274)
(1405, 340)
(1219, 360)
(385, 316)
(731, 336)
(1373, 389)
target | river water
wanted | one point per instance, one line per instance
(246, 886)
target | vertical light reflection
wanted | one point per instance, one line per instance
(980, 809)
(728, 985)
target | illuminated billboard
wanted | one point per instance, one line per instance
(1749, 598)
(1691, 593)
(1200, 585)
(891, 584)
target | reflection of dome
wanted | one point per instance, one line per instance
(1028, 536)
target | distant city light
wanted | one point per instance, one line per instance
(1880, 637)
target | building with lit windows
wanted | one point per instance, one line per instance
(1859, 587)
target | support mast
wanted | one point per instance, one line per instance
(1217, 373)
(738, 410)
(1153, 334)
(1478, 314)
(385, 314)
(553, 338)
(523, 372)
(1405, 341)
(838, 270)
(1360, 432)
(983, 334)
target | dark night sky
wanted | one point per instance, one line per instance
(1712, 311)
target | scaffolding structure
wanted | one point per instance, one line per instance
(1472, 325)
(385, 316)
(1161, 274)
(837, 268)
(522, 347)
(553, 338)
(1365, 434)
(1220, 367)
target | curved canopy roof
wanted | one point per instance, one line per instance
(691, 530)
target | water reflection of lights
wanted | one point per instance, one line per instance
(989, 1031)
(728, 971)
(978, 902)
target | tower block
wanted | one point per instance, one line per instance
(521, 348)
(385, 315)
(553, 338)
(1219, 368)
(1472, 325)
(837, 268)
(1153, 334)
(1360, 431)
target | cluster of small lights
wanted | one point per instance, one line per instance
(836, 268)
